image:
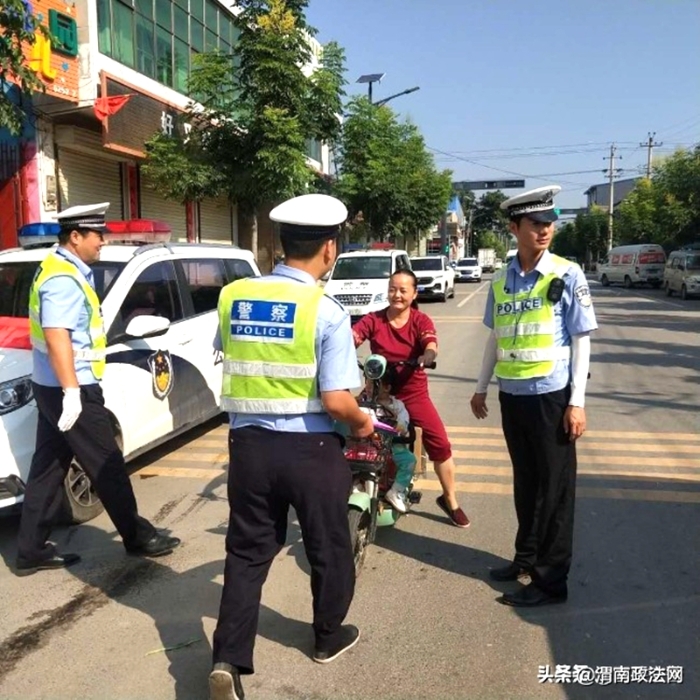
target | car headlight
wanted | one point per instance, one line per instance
(380, 298)
(15, 394)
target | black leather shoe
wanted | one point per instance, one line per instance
(347, 637)
(157, 546)
(57, 561)
(225, 683)
(512, 572)
(531, 596)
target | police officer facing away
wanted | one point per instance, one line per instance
(289, 363)
(69, 353)
(540, 312)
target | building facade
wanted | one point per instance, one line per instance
(599, 195)
(126, 80)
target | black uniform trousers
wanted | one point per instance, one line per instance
(544, 484)
(269, 472)
(91, 440)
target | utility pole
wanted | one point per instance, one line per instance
(611, 172)
(650, 145)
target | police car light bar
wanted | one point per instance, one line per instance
(135, 231)
(39, 235)
(132, 232)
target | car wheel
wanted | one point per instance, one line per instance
(452, 289)
(443, 296)
(669, 291)
(605, 281)
(628, 282)
(80, 500)
(684, 293)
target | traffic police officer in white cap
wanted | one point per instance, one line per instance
(289, 366)
(540, 312)
(69, 354)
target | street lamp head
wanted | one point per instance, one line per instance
(371, 78)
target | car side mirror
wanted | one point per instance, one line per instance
(147, 326)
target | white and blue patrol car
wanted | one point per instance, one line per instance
(163, 376)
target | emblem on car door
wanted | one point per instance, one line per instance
(161, 365)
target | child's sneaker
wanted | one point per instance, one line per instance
(397, 497)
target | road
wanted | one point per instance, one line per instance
(118, 627)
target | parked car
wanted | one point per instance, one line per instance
(682, 273)
(633, 264)
(436, 278)
(162, 375)
(468, 270)
(360, 280)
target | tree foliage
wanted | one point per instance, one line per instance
(17, 27)
(245, 135)
(586, 238)
(387, 176)
(666, 208)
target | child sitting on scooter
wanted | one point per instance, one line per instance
(404, 459)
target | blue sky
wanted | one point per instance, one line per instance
(536, 88)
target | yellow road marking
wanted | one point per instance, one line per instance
(583, 457)
(590, 433)
(201, 457)
(508, 471)
(181, 472)
(596, 446)
(584, 492)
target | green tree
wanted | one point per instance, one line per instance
(388, 179)
(666, 208)
(17, 27)
(591, 234)
(245, 136)
(566, 242)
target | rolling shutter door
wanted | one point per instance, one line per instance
(87, 179)
(216, 221)
(155, 207)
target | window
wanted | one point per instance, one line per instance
(123, 34)
(104, 23)
(182, 56)
(154, 293)
(164, 53)
(145, 55)
(205, 280)
(238, 269)
(156, 37)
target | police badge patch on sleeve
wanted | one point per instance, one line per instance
(583, 295)
(161, 365)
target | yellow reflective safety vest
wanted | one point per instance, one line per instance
(56, 266)
(524, 324)
(268, 333)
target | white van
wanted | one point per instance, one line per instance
(633, 264)
(360, 280)
(682, 274)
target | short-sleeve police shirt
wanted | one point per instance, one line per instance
(573, 315)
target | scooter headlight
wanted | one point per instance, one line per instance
(375, 366)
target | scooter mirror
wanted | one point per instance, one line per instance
(375, 366)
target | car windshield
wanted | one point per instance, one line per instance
(467, 262)
(693, 262)
(16, 280)
(362, 267)
(426, 264)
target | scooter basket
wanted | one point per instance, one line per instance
(368, 453)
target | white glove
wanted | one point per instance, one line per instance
(72, 407)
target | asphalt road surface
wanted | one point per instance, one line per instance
(115, 627)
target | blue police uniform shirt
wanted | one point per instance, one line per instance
(573, 315)
(335, 357)
(63, 305)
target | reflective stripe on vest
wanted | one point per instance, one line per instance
(524, 325)
(268, 332)
(56, 266)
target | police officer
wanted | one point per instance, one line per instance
(289, 363)
(69, 353)
(540, 312)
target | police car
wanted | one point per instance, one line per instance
(162, 376)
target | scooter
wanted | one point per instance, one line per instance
(373, 467)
